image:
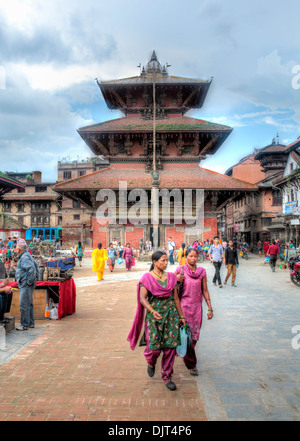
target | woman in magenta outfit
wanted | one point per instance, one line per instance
(128, 256)
(157, 294)
(193, 290)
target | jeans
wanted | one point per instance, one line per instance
(5, 302)
(26, 305)
(171, 257)
(217, 275)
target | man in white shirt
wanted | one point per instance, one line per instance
(171, 249)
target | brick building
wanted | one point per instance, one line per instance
(155, 145)
(75, 219)
(251, 216)
(34, 206)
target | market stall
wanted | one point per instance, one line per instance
(63, 291)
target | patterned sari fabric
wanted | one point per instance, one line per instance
(156, 290)
(160, 335)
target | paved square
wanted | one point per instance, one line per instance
(81, 368)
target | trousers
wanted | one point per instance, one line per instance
(190, 360)
(217, 275)
(26, 305)
(167, 360)
(272, 261)
(171, 259)
(231, 270)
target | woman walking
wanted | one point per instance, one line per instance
(99, 256)
(128, 256)
(194, 288)
(112, 255)
(156, 292)
(79, 252)
(181, 256)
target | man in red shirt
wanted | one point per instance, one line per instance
(273, 253)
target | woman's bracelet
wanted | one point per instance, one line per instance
(211, 310)
(151, 312)
(181, 317)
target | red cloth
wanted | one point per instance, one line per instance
(67, 295)
(273, 249)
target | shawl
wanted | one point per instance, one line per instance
(152, 285)
(200, 271)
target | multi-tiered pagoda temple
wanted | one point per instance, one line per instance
(154, 135)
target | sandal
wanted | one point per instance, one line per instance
(194, 372)
(21, 328)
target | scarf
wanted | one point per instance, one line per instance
(152, 285)
(200, 272)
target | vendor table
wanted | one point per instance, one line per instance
(66, 292)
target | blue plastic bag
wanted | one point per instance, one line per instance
(120, 261)
(182, 349)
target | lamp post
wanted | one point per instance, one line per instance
(155, 176)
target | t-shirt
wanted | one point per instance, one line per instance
(273, 249)
(216, 252)
(171, 245)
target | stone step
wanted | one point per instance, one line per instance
(11, 325)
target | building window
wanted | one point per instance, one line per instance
(47, 220)
(20, 208)
(21, 190)
(7, 206)
(76, 204)
(59, 220)
(67, 175)
(81, 173)
(292, 166)
(41, 189)
(277, 197)
(76, 217)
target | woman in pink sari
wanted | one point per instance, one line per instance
(157, 294)
(193, 290)
(128, 256)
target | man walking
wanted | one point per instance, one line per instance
(231, 262)
(26, 276)
(216, 254)
(171, 249)
(273, 253)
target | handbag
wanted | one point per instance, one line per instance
(133, 261)
(120, 261)
(182, 348)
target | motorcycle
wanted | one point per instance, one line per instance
(244, 253)
(294, 266)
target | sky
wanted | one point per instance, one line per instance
(51, 52)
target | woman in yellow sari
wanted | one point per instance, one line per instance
(181, 255)
(99, 256)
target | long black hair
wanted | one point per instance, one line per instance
(155, 257)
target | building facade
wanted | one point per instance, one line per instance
(155, 145)
(35, 207)
(252, 216)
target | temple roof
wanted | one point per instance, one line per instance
(138, 124)
(271, 149)
(170, 178)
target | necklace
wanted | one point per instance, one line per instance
(160, 277)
